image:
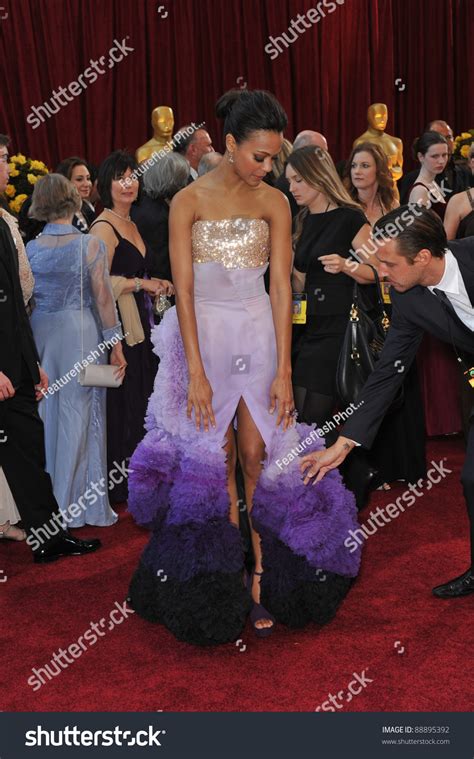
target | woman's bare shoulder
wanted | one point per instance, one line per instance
(460, 201)
(103, 228)
(273, 202)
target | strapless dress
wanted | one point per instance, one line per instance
(178, 485)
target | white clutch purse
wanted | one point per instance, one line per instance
(95, 375)
(99, 375)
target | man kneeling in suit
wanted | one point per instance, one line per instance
(432, 290)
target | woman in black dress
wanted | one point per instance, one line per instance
(328, 231)
(459, 218)
(431, 150)
(329, 228)
(398, 452)
(131, 264)
(438, 368)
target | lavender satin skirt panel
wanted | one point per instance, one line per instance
(237, 342)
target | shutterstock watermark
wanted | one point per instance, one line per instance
(43, 534)
(354, 688)
(60, 659)
(307, 20)
(74, 736)
(393, 510)
(392, 230)
(64, 95)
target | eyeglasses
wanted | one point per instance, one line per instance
(4, 158)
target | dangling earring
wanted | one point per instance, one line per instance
(231, 157)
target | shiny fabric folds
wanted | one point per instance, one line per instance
(178, 481)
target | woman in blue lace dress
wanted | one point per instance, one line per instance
(74, 416)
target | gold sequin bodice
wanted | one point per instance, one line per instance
(235, 243)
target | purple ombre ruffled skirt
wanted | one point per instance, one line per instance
(190, 575)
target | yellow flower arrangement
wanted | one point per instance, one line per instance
(24, 173)
(16, 204)
(19, 158)
(462, 144)
(38, 166)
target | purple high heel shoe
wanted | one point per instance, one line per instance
(259, 612)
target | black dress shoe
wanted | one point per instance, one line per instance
(460, 586)
(65, 546)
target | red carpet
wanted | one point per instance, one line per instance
(138, 666)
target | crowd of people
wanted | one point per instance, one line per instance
(101, 255)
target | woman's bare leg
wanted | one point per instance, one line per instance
(231, 460)
(251, 451)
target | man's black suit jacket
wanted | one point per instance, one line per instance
(413, 312)
(151, 216)
(16, 338)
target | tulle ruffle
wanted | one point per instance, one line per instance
(190, 576)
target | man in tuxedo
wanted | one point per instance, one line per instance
(22, 453)
(432, 290)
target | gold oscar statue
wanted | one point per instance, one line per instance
(162, 121)
(377, 116)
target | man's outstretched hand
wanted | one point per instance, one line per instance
(317, 464)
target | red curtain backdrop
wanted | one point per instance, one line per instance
(188, 52)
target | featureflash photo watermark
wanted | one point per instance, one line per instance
(315, 434)
(80, 365)
(156, 156)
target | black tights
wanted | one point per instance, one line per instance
(313, 408)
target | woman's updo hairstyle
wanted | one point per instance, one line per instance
(247, 111)
(426, 141)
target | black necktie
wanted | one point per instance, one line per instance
(448, 306)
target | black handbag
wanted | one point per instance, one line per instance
(363, 341)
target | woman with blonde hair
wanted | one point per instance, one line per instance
(279, 162)
(329, 229)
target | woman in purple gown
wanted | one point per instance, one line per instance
(224, 391)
